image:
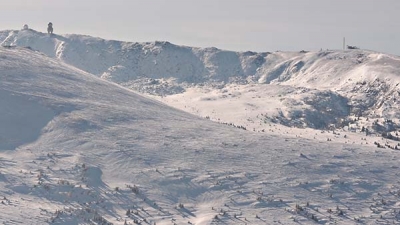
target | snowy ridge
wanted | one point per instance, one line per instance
(122, 61)
(331, 88)
(76, 149)
(125, 61)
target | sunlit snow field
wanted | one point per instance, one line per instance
(107, 132)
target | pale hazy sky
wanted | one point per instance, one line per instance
(241, 25)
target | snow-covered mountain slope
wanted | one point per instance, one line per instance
(76, 149)
(326, 89)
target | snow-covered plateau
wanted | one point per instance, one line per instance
(97, 131)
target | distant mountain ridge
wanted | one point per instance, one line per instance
(366, 81)
(113, 59)
(125, 61)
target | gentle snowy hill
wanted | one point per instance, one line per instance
(77, 149)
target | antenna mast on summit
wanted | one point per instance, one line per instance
(344, 43)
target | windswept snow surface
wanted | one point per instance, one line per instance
(78, 149)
